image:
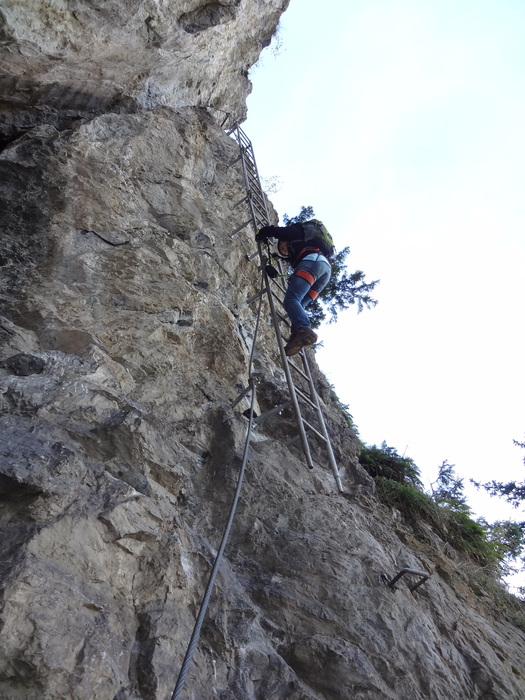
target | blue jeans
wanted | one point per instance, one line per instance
(308, 279)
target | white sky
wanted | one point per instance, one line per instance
(403, 124)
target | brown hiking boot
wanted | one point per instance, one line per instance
(299, 340)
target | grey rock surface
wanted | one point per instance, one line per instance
(125, 337)
(62, 60)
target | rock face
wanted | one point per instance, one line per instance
(125, 337)
(68, 59)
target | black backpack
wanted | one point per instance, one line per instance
(316, 234)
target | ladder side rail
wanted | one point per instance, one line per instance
(250, 155)
(284, 359)
(283, 319)
(248, 190)
(257, 204)
(260, 218)
(280, 287)
(257, 195)
(241, 136)
(249, 164)
(314, 403)
(289, 378)
(261, 214)
(322, 423)
(277, 297)
(249, 159)
(238, 134)
(245, 146)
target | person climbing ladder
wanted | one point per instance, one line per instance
(308, 248)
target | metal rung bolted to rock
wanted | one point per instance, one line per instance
(423, 576)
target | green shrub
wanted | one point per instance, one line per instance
(410, 500)
(469, 536)
(385, 462)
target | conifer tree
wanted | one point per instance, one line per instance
(512, 491)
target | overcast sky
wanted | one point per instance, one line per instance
(402, 123)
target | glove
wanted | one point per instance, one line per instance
(264, 233)
(271, 271)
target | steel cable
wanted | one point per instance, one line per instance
(194, 640)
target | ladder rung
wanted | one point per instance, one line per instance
(275, 296)
(314, 430)
(256, 192)
(254, 189)
(306, 398)
(258, 211)
(257, 200)
(280, 286)
(258, 206)
(298, 369)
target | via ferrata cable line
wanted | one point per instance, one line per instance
(194, 640)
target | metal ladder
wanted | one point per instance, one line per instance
(259, 217)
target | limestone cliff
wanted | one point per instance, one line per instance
(125, 337)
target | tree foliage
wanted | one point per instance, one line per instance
(509, 534)
(448, 491)
(343, 290)
(512, 491)
(508, 541)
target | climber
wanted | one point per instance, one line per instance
(307, 247)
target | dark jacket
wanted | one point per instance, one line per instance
(293, 234)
